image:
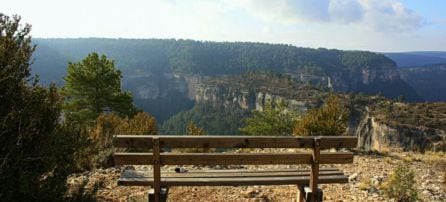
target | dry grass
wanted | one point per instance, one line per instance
(437, 160)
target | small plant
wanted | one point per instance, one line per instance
(400, 185)
(365, 184)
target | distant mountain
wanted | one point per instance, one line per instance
(429, 81)
(440, 54)
(417, 58)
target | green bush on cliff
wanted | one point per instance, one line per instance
(273, 120)
(331, 119)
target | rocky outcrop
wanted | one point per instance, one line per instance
(362, 79)
(379, 136)
(249, 100)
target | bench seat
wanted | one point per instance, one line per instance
(231, 177)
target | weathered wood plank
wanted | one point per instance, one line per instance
(314, 174)
(336, 158)
(156, 169)
(135, 141)
(232, 159)
(144, 141)
(232, 181)
(147, 174)
(259, 171)
(133, 159)
(235, 159)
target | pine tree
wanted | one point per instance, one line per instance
(93, 86)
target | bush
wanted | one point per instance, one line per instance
(329, 120)
(97, 150)
(275, 119)
(400, 185)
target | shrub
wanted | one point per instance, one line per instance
(98, 148)
(275, 119)
(365, 184)
(329, 120)
(400, 185)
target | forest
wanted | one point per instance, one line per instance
(143, 56)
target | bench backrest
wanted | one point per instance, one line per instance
(169, 142)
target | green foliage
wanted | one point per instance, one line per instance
(331, 119)
(216, 58)
(93, 86)
(36, 153)
(215, 120)
(272, 120)
(400, 185)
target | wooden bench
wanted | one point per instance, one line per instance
(306, 180)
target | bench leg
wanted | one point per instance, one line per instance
(162, 196)
(300, 193)
(308, 194)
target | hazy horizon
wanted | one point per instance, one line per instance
(373, 25)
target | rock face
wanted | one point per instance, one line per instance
(248, 99)
(384, 79)
(375, 135)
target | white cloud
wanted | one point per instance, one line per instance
(379, 25)
(284, 11)
(346, 11)
(378, 15)
(390, 16)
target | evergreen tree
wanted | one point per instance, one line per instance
(36, 153)
(93, 86)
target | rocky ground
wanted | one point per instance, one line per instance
(367, 174)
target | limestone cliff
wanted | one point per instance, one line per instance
(380, 136)
(254, 91)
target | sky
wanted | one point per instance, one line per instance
(375, 25)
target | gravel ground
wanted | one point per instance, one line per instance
(367, 173)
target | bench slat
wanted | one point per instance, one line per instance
(233, 181)
(259, 171)
(145, 141)
(232, 159)
(241, 173)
